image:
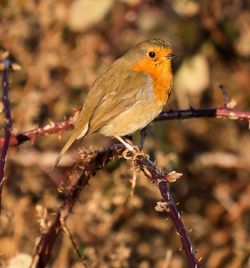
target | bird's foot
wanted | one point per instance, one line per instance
(128, 146)
(132, 151)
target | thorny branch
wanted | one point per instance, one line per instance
(151, 171)
(221, 113)
(7, 116)
(92, 163)
(59, 127)
(90, 166)
(96, 161)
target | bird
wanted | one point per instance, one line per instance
(128, 95)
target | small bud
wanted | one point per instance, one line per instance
(231, 104)
(16, 67)
(200, 259)
(161, 206)
(173, 176)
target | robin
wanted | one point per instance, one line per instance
(128, 95)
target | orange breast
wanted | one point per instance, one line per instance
(161, 74)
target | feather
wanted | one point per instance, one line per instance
(113, 92)
(77, 134)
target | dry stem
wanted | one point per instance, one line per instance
(59, 127)
(89, 169)
(8, 126)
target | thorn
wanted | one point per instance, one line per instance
(61, 188)
(200, 259)
(225, 94)
(3, 180)
(179, 236)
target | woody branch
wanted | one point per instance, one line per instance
(91, 164)
(68, 124)
(44, 248)
(5, 66)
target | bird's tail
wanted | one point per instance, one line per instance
(77, 134)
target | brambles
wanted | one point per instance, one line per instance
(108, 225)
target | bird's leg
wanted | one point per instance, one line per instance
(128, 138)
(143, 134)
(127, 145)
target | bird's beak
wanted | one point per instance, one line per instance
(170, 56)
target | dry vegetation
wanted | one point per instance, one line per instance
(61, 47)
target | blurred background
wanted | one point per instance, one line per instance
(61, 47)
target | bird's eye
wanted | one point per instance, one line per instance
(151, 54)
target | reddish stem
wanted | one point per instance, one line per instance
(8, 126)
(97, 161)
(161, 179)
(176, 218)
(43, 250)
(59, 127)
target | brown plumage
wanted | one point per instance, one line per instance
(128, 95)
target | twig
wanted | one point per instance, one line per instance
(225, 94)
(97, 161)
(59, 127)
(32, 135)
(155, 174)
(133, 179)
(43, 250)
(70, 236)
(221, 113)
(8, 126)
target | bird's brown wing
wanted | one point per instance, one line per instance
(121, 93)
(113, 92)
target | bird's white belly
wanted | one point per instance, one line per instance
(135, 117)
